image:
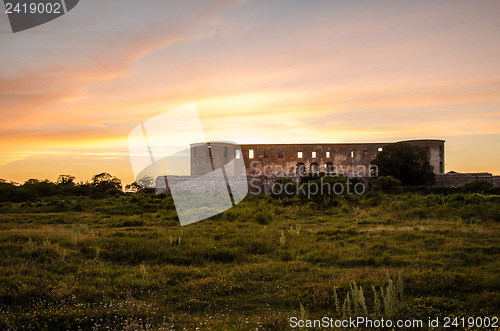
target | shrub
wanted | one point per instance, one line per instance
(113, 191)
(387, 184)
(263, 218)
(325, 190)
(477, 186)
(444, 189)
(284, 188)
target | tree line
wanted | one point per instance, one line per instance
(399, 164)
(100, 185)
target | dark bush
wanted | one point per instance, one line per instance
(477, 186)
(417, 189)
(325, 190)
(263, 218)
(284, 188)
(387, 184)
(444, 190)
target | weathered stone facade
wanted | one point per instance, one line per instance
(263, 184)
(264, 163)
(459, 179)
(208, 156)
(256, 184)
(289, 159)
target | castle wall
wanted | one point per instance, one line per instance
(222, 154)
(458, 179)
(263, 184)
(283, 159)
(256, 184)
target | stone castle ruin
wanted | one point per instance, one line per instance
(351, 159)
(264, 163)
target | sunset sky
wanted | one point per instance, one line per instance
(268, 71)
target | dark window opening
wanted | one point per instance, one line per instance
(266, 154)
(329, 167)
(280, 153)
(225, 152)
(314, 167)
(301, 169)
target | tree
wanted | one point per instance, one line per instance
(147, 182)
(133, 188)
(405, 162)
(104, 182)
(65, 180)
(40, 188)
(31, 181)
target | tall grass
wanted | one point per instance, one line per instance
(118, 265)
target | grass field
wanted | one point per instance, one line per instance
(123, 262)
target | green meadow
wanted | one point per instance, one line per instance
(123, 261)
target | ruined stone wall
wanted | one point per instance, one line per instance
(462, 179)
(191, 184)
(222, 155)
(268, 159)
(256, 184)
(283, 159)
(263, 184)
(435, 152)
